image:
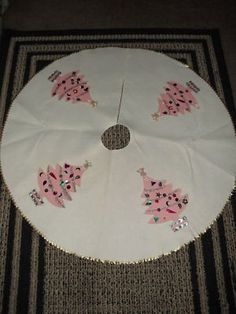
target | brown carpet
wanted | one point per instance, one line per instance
(36, 277)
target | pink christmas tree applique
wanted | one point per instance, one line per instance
(177, 99)
(57, 184)
(162, 202)
(71, 87)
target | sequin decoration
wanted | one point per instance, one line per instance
(177, 99)
(163, 202)
(179, 224)
(71, 87)
(57, 183)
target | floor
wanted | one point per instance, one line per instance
(80, 14)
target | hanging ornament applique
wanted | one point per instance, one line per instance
(56, 184)
(71, 87)
(162, 202)
(177, 99)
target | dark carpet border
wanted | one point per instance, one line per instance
(112, 31)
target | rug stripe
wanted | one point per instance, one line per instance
(41, 275)
(194, 275)
(24, 269)
(4, 47)
(209, 66)
(224, 77)
(32, 300)
(201, 276)
(210, 270)
(226, 268)
(219, 268)
(10, 96)
(230, 235)
(194, 61)
(4, 223)
(44, 42)
(233, 201)
(8, 269)
(15, 264)
(6, 91)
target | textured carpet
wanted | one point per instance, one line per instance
(36, 277)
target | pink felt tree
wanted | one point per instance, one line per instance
(71, 87)
(57, 183)
(177, 99)
(161, 201)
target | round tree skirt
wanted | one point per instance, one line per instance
(119, 154)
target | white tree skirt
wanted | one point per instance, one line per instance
(116, 213)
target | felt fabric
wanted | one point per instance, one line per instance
(195, 151)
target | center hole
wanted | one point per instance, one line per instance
(116, 137)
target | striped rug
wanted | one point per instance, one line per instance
(36, 277)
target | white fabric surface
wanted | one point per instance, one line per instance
(105, 219)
